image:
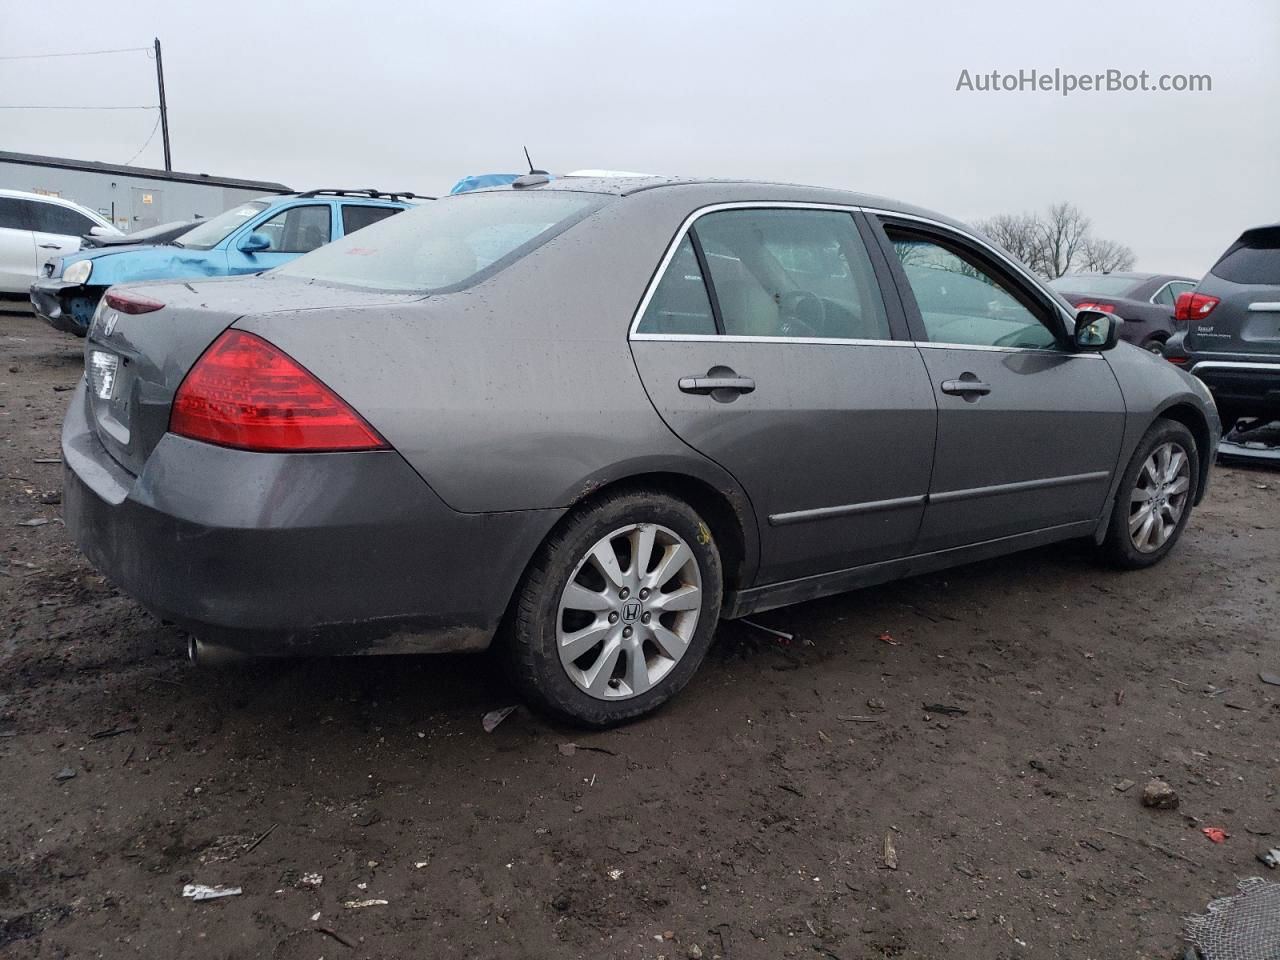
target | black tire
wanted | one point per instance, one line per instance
(1118, 546)
(1153, 345)
(531, 644)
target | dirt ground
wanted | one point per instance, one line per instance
(747, 820)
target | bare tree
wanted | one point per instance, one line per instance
(1105, 256)
(1063, 232)
(1057, 242)
(1018, 233)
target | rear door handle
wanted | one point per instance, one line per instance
(49, 246)
(962, 388)
(705, 385)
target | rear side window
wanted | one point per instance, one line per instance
(297, 230)
(1254, 258)
(680, 303)
(792, 273)
(446, 244)
(14, 214)
(51, 218)
(358, 216)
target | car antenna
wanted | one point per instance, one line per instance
(533, 178)
(530, 162)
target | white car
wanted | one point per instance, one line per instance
(36, 228)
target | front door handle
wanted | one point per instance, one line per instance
(965, 388)
(706, 385)
(49, 246)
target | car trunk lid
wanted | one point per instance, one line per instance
(134, 363)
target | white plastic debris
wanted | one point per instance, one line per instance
(198, 891)
(615, 874)
(491, 719)
(310, 880)
(358, 904)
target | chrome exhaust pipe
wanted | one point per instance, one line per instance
(203, 654)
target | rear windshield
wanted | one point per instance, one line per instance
(1095, 284)
(210, 233)
(446, 244)
(1254, 258)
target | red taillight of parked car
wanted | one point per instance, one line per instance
(245, 393)
(132, 302)
(1090, 305)
(1193, 306)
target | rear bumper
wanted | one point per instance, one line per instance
(53, 301)
(293, 554)
(1250, 387)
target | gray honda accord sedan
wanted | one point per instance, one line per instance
(585, 419)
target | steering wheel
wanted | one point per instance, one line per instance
(803, 314)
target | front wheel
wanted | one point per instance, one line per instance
(1155, 497)
(617, 610)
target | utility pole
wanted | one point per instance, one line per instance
(164, 110)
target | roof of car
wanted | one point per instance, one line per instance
(60, 201)
(732, 190)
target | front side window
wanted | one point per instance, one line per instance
(447, 243)
(52, 218)
(961, 300)
(209, 234)
(792, 273)
(297, 230)
(680, 304)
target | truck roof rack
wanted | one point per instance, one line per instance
(370, 193)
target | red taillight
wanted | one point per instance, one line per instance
(1090, 305)
(1180, 361)
(132, 302)
(245, 393)
(1193, 306)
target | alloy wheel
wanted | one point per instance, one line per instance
(629, 611)
(1159, 497)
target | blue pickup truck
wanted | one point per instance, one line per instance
(249, 238)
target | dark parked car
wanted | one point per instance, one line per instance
(1144, 301)
(1231, 328)
(159, 234)
(591, 417)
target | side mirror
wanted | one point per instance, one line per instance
(253, 243)
(1096, 330)
(101, 232)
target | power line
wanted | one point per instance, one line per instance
(145, 145)
(79, 53)
(51, 106)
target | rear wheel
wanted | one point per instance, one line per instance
(1155, 497)
(617, 610)
(1154, 345)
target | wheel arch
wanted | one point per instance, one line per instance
(1194, 420)
(727, 512)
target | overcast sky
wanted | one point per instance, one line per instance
(856, 94)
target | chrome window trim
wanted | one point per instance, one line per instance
(737, 338)
(1235, 365)
(1047, 351)
(1191, 284)
(669, 255)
